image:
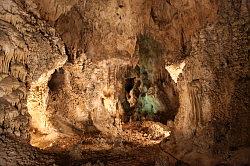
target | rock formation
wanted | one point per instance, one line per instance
(95, 82)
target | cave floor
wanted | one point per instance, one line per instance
(136, 145)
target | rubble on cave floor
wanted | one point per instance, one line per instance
(137, 144)
(133, 134)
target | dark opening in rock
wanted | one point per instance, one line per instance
(56, 80)
(129, 84)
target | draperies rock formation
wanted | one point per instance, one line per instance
(122, 72)
(29, 51)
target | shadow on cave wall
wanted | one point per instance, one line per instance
(231, 134)
(149, 91)
(56, 81)
(59, 106)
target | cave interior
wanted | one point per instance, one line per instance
(121, 82)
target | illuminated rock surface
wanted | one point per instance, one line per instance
(119, 82)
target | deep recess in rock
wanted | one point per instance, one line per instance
(121, 82)
(56, 80)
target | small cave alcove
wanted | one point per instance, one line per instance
(144, 99)
(56, 81)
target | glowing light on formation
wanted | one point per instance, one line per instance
(43, 132)
(175, 70)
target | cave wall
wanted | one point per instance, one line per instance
(209, 85)
(29, 51)
(209, 35)
(103, 43)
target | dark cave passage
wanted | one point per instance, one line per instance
(56, 81)
(129, 84)
(150, 92)
(144, 99)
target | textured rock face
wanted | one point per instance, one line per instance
(29, 52)
(208, 89)
(84, 66)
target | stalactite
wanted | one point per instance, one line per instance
(12, 98)
(195, 100)
(18, 71)
(1, 63)
(9, 55)
(20, 56)
(115, 76)
(13, 48)
(109, 76)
